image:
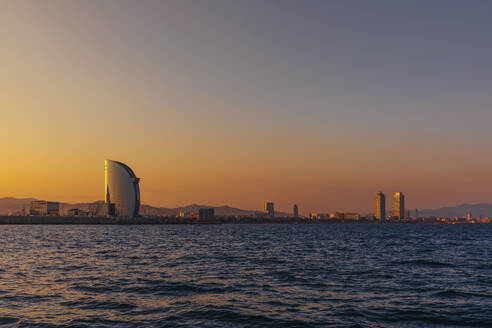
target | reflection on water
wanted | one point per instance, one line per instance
(246, 275)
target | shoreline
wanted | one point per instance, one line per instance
(73, 220)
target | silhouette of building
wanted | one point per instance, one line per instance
(344, 216)
(102, 209)
(380, 206)
(76, 212)
(337, 216)
(319, 216)
(296, 211)
(269, 209)
(121, 189)
(42, 207)
(351, 216)
(206, 214)
(399, 205)
(416, 213)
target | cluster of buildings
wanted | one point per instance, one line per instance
(399, 207)
(43, 208)
(122, 199)
(380, 211)
(122, 196)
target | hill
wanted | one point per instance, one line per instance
(484, 210)
(10, 204)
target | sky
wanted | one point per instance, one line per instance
(319, 103)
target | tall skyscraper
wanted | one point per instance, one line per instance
(269, 209)
(296, 211)
(121, 189)
(400, 205)
(380, 206)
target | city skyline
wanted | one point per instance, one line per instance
(319, 103)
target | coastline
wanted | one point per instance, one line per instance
(73, 220)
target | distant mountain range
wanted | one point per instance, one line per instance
(10, 204)
(16, 205)
(484, 210)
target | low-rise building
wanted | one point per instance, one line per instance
(206, 214)
(76, 212)
(42, 207)
(319, 216)
(351, 216)
(102, 209)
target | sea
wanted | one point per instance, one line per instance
(264, 275)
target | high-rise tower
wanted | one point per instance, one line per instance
(296, 211)
(269, 209)
(380, 206)
(400, 205)
(121, 189)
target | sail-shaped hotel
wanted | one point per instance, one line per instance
(121, 189)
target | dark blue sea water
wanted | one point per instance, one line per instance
(246, 276)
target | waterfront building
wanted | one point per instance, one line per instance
(416, 213)
(183, 214)
(337, 216)
(296, 211)
(102, 209)
(206, 214)
(121, 189)
(319, 216)
(469, 216)
(351, 216)
(42, 207)
(399, 201)
(77, 212)
(269, 209)
(380, 206)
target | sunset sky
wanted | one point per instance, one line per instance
(319, 103)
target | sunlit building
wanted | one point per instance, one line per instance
(319, 216)
(380, 206)
(399, 205)
(351, 216)
(269, 209)
(42, 207)
(121, 189)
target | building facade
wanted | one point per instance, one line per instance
(269, 209)
(42, 207)
(121, 189)
(206, 214)
(399, 205)
(102, 209)
(319, 216)
(380, 209)
(351, 216)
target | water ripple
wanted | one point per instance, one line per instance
(246, 276)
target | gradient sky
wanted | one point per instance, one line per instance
(322, 103)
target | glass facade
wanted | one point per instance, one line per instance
(121, 189)
(380, 206)
(400, 205)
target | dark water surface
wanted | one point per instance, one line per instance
(246, 276)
